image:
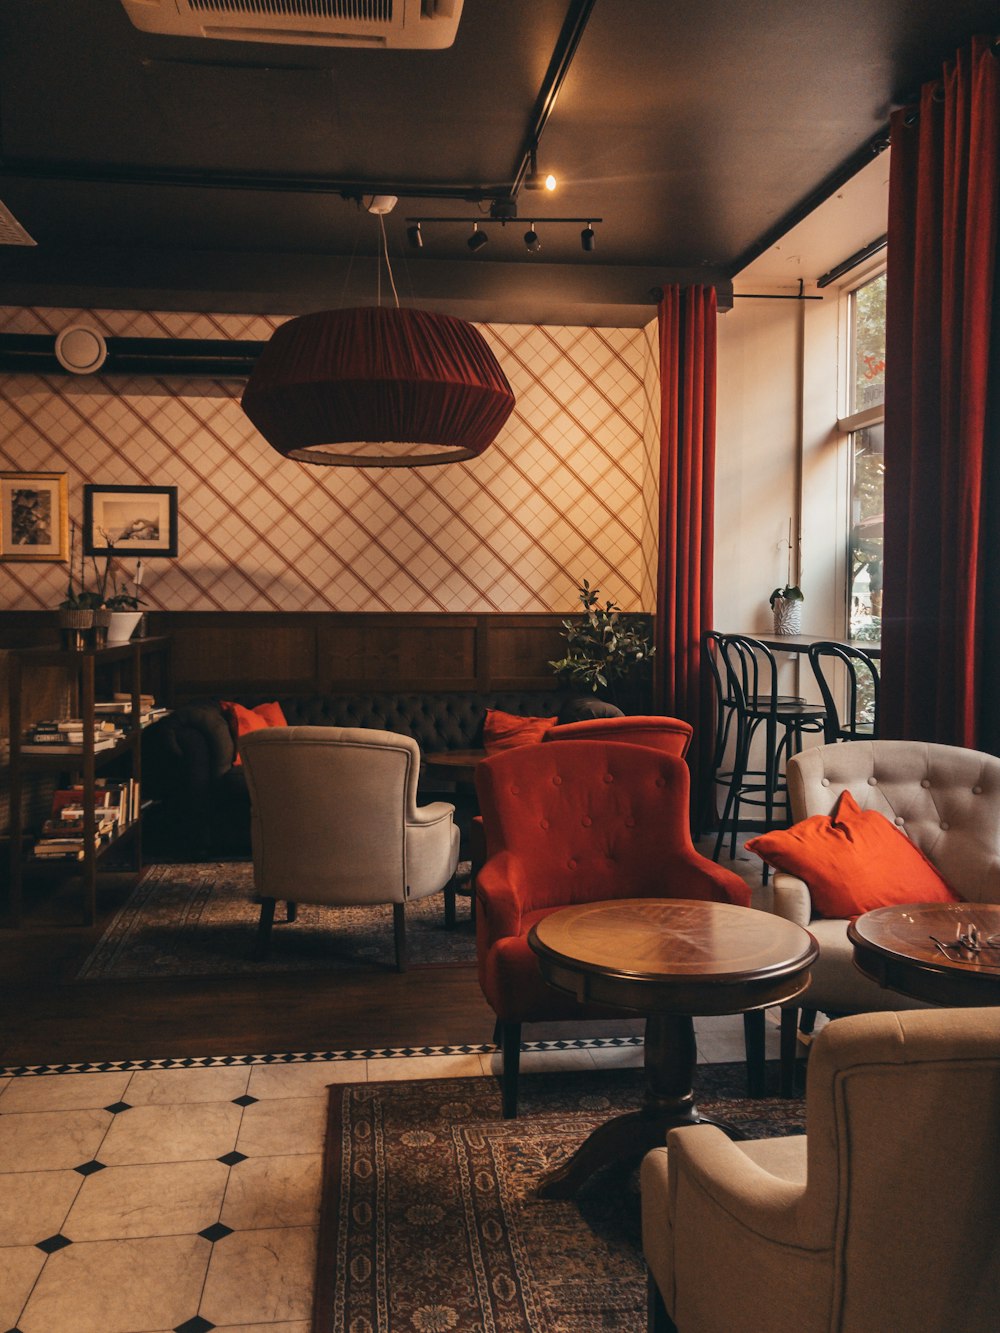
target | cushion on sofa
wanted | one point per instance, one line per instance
(853, 861)
(504, 731)
(242, 721)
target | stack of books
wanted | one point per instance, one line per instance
(63, 833)
(67, 736)
(119, 710)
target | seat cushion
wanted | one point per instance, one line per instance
(853, 861)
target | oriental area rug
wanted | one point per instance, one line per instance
(431, 1222)
(201, 920)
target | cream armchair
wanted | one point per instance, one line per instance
(334, 819)
(882, 1216)
(946, 800)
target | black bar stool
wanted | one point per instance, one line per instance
(752, 677)
(861, 677)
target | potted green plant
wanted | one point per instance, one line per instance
(76, 610)
(121, 605)
(786, 603)
(603, 649)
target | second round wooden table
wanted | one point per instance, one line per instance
(668, 959)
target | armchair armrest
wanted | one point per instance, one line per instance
(437, 812)
(792, 899)
(734, 1190)
(499, 898)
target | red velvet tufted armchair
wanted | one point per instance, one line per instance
(571, 822)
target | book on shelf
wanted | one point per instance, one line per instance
(62, 745)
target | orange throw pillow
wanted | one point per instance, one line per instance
(244, 720)
(504, 731)
(853, 860)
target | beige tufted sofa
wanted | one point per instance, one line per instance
(945, 799)
(881, 1218)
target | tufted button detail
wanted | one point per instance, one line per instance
(515, 791)
(586, 821)
(925, 782)
(824, 782)
(945, 826)
(572, 863)
(900, 820)
(608, 777)
(661, 782)
(557, 781)
(543, 823)
(977, 791)
(630, 822)
(873, 782)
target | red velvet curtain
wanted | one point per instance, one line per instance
(942, 412)
(687, 318)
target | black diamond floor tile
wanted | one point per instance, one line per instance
(88, 1168)
(216, 1232)
(245, 1100)
(53, 1243)
(195, 1325)
(116, 1107)
(231, 1158)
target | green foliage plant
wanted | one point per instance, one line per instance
(602, 648)
(791, 592)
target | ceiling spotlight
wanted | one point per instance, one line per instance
(587, 238)
(415, 236)
(478, 238)
(539, 180)
(531, 239)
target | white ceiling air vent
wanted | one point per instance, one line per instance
(387, 24)
(11, 231)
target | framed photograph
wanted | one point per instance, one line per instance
(34, 516)
(123, 520)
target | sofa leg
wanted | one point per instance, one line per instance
(789, 1048)
(264, 927)
(753, 1037)
(657, 1319)
(399, 934)
(510, 1056)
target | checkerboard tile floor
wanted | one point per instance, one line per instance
(186, 1199)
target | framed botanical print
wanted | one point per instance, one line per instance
(130, 520)
(34, 516)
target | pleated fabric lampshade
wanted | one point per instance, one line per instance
(374, 387)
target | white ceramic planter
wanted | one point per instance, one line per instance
(123, 625)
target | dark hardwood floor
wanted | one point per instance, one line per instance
(47, 1017)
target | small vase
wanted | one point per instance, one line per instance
(787, 615)
(123, 625)
(74, 627)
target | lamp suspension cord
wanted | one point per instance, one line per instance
(388, 266)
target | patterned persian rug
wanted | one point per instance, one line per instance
(201, 920)
(430, 1220)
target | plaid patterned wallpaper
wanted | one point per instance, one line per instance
(565, 493)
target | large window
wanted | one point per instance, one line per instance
(863, 423)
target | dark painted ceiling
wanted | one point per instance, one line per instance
(697, 129)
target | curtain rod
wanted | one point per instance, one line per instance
(852, 261)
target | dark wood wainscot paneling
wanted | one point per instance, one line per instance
(330, 653)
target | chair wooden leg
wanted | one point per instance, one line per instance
(264, 927)
(753, 1036)
(807, 1020)
(510, 1055)
(399, 932)
(789, 1048)
(450, 918)
(657, 1319)
(291, 911)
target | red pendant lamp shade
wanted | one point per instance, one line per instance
(378, 387)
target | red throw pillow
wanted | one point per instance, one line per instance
(244, 720)
(853, 860)
(504, 731)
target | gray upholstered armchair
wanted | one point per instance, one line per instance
(946, 800)
(881, 1216)
(334, 819)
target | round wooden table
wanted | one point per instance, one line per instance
(668, 959)
(895, 947)
(456, 765)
